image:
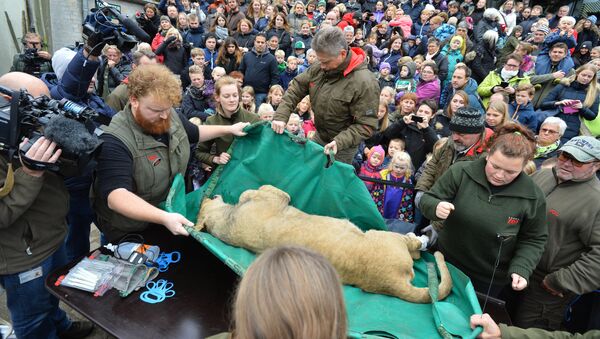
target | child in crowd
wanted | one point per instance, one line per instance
(377, 138)
(370, 168)
(197, 55)
(403, 21)
(384, 76)
(406, 81)
(521, 109)
(248, 99)
(303, 109)
(290, 72)
(294, 125)
(299, 49)
(217, 73)
(387, 95)
(266, 112)
(280, 57)
(394, 146)
(418, 59)
(455, 53)
(195, 101)
(396, 202)
(210, 51)
(273, 44)
(359, 37)
(275, 96)
(496, 114)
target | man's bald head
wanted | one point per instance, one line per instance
(19, 80)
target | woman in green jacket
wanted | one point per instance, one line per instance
(492, 211)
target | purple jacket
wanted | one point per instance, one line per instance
(428, 90)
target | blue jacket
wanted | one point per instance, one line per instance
(543, 65)
(413, 11)
(525, 115)
(470, 88)
(575, 91)
(392, 58)
(74, 84)
(211, 57)
(286, 77)
(260, 70)
(195, 37)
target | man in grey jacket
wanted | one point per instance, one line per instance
(569, 265)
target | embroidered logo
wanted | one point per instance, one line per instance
(311, 84)
(154, 159)
(554, 212)
(513, 221)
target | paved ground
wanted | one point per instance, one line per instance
(97, 333)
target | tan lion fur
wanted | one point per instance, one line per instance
(375, 261)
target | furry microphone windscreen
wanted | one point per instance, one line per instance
(71, 135)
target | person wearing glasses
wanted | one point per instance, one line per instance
(32, 60)
(503, 80)
(548, 140)
(569, 264)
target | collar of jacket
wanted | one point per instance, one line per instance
(517, 188)
(232, 117)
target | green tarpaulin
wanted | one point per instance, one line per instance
(300, 168)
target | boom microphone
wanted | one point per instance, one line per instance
(71, 136)
(133, 28)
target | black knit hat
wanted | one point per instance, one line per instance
(467, 120)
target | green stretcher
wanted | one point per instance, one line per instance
(319, 185)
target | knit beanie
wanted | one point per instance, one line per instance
(467, 120)
(165, 18)
(593, 19)
(384, 65)
(61, 60)
(543, 28)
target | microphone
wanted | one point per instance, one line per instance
(133, 28)
(71, 136)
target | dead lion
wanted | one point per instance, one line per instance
(375, 261)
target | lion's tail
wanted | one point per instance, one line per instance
(421, 295)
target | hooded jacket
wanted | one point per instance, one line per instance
(494, 79)
(344, 100)
(260, 70)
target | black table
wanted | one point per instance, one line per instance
(204, 290)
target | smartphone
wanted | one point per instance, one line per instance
(417, 118)
(504, 84)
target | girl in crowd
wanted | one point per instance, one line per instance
(248, 99)
(304, 109)
(279, 27)
(455, 52)
(428, 86)
(230, 55)
(229, 111)
(441, 121)
(417, 131)
(275, 96)
(219, 27)
(575, 98)
(372, 165)
(182, 23)
(245, 35)
(396, 202)
(255, 13)
(496, 115)
(394, 54)
(387, 95)
(289, 293)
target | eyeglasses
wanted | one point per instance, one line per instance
(549, 131)
(564, 157)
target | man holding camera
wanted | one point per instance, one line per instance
(32, 233)
(33, 60)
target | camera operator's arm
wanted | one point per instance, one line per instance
(76, 79)
(27, 182)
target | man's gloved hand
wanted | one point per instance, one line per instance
(431, 233)
(95, 43)
(171, 39)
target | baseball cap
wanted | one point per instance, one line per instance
(299, 45)
(583, 148)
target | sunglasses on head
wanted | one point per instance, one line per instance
(564, 156)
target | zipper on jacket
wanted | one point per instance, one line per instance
(490, 197)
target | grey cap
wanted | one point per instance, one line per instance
(583, 148)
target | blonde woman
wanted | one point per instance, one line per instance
(496, 114)
(574, 99)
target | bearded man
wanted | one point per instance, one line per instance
(145, 146)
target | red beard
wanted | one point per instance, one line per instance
(154, 128)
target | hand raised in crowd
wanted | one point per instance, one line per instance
(222, 158)
(44, 55)
(407, 118)
(330, 148)
(443, 210)
(558, 75)
(111, 63)
(174, 222)
(424, 124)
(518, 282)
(490, 328)
(278, 126)
(237, 129)
(43, 150)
